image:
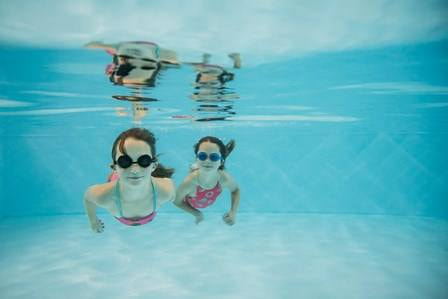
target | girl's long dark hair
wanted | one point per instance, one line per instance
(146, 136)
(224, 149)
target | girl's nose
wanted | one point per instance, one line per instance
(134, 168)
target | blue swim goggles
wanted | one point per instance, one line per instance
(214, 157)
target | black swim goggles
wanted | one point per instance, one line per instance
(125, 161)
(202, 156)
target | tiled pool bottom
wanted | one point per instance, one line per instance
(262, 256)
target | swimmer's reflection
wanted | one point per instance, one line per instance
(136, 63)
(138, 106)
(215, 100)
(138, 112)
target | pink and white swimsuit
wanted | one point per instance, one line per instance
(204, 197)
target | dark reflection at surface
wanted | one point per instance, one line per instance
(134, 98)
(136, 65)
(214, 99)
(137, 107)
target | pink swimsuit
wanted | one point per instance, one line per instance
(204, 197)
(133, 221)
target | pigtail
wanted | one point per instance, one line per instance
(229, 147)
(162, 172)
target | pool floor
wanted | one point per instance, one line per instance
(262, 256)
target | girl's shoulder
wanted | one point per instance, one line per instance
(101, 193)
(190, 181)
(164, 187)
(226, 180)
(224, 176)
(192, 176)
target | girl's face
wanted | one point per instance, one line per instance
(135, 174)
(208, 157)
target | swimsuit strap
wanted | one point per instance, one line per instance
(154, 197)
(118, 201)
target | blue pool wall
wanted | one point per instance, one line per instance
(374, 173)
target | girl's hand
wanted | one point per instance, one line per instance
(199, 217)
(229, 218)
(97, 226)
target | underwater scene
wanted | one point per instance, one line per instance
(224, 150)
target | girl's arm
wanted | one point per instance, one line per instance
(232, 185)
(165, 189)
(235, 195)
(90, 206)
(184, 189)
(110, 48)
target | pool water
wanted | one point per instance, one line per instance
(340, 157)
(263, 256)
